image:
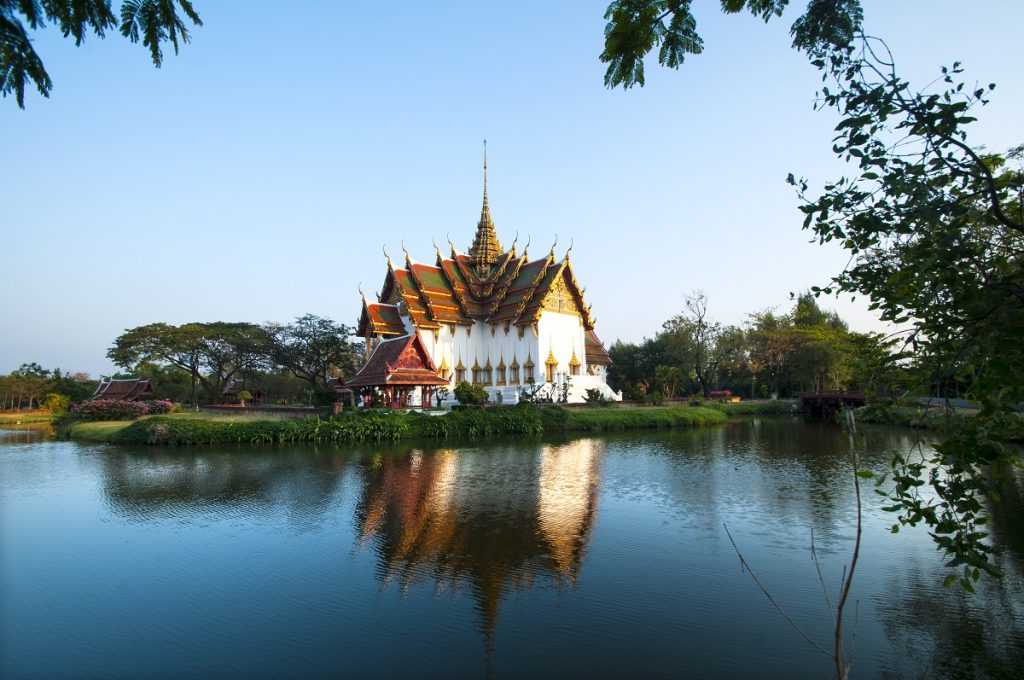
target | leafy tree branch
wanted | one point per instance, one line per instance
(153, 22)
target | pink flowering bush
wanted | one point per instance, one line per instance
(109, 409)
(159, 407)
(720, 394)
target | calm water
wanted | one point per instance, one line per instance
(596, 558)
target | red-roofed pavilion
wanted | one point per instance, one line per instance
(397, 367)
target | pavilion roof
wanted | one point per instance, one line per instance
(398, 361)
(124, 389)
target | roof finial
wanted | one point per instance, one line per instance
(385, 249)
(526, 248)
(572, 242)
(361, 293)
(407, 258)
(486, 248)
(553, 247)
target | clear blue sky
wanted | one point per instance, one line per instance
(256, 175)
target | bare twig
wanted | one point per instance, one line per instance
(771, 599)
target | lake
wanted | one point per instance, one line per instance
(600, 557)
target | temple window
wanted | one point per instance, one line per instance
(499, 378)
(549, 367)
(574, 364)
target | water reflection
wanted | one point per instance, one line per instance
(493, 520)
(599, 556)
(12, 433)
(496, 521)
(145, 483)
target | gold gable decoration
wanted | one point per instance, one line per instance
(560, 299)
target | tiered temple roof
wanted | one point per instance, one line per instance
(513, 291)
(488, 284)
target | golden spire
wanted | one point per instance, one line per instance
(485, 249)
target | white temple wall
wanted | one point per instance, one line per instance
(560, 334)
(475, 346)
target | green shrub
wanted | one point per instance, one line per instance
(470, 395)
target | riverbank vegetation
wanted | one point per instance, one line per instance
(773, 354)
(31, 387)
(186, 429)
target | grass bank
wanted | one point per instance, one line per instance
(95, 431)
(776, 407)
(194, 429)
(25, 418)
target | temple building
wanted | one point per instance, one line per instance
(491, 317)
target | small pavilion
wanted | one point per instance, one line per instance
(396, 368)
(124, 389)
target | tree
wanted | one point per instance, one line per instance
(312, 347)
(75, 386)
(772, 341)
(636, 27)
(161, 343)
(154, 22)
(634, 362)
(935, 229)
(820, 359)
(667, 379)
(30, 382)
(212, 353)
(692, 338)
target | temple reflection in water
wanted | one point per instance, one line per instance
(494, 523)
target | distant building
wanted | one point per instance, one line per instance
(494, 318)
(124, 389)
(232, 393)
